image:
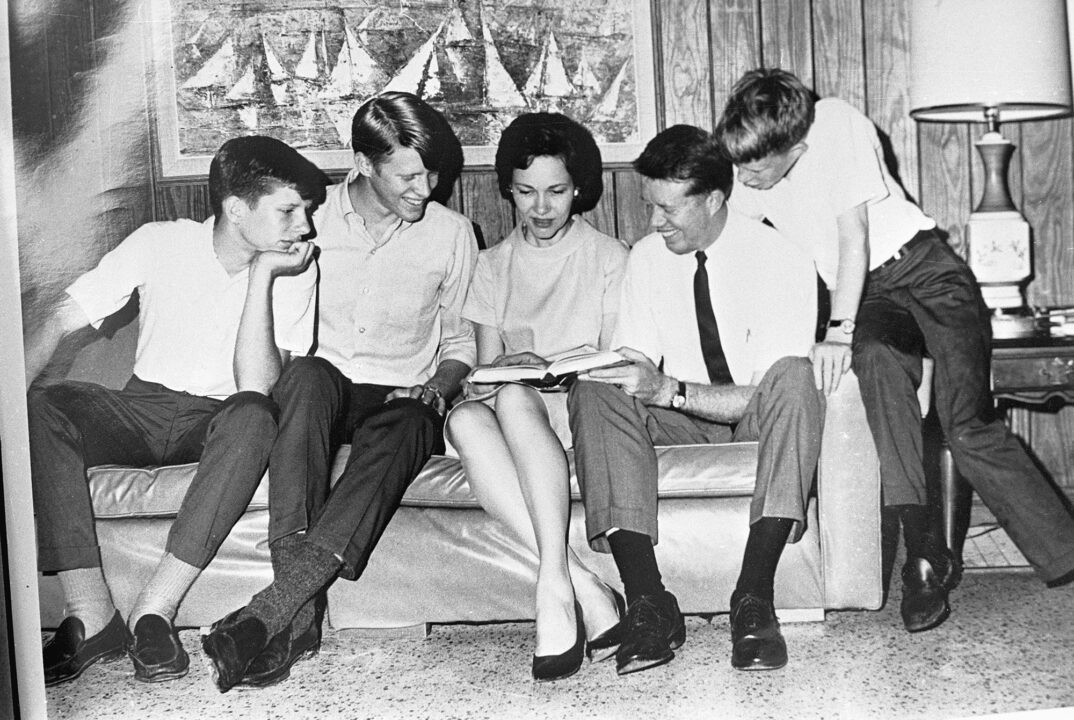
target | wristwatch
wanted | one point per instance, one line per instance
(846, 325)
(678, 400)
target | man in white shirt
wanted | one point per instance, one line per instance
(716, 314)
(392, 348)
(222, 306)
(816, 171)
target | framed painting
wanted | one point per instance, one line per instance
(298, 70)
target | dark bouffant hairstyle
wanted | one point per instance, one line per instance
(688, 154)
(769, 111)
(253, 166)
(552, 135)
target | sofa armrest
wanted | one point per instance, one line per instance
(848, 498)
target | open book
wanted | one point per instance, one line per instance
(558, 371)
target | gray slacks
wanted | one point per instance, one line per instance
(615, 434)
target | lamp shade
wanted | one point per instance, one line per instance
(969, 55)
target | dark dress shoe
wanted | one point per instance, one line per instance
(274, 663)
(654, 629)
(69, 652)
(603, 646)
(924, 594)
(232, 644)
(567, 663)
(156, 651)
(756, 642)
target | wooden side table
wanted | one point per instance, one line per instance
(1035, 370)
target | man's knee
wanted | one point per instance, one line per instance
(587, 393)
(408, 413)
(43, 400)
(794, 375)
(872, 356)
(251, 408)
(302, 376)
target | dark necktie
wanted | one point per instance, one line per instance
(715, 360)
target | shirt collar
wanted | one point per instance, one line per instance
(347, 206)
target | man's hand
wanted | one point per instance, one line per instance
(428, 394)
(292, 261)
(831, 360)
(640, 379)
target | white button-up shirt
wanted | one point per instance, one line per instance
(389, 313)
(763, 291)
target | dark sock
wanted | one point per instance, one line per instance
(283, 553)
(634, 556)
(764, 546)
(306, 570)
(921, 533)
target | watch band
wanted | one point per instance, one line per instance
(845, 324)
(678, 400)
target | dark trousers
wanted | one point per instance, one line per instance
(321, 409)
(928, 301)
(75, 425)
(614, 435)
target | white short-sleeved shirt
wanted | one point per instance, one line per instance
(189, 308)
(390, 313)
(548, 300)
(763, 292)
(842, 167)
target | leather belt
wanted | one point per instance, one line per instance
(904, 249)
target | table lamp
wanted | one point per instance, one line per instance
(991, 61)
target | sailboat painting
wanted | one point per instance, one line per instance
(298, 69)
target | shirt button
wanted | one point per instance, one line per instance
(361, 330)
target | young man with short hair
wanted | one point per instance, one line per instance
(392, 349)
(716, 317)
(222, 306)
(815, 170)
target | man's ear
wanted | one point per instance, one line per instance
(363, 164)
(796, 150)
(715, 201)
(235, 208)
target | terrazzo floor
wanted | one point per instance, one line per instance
(1008, 646)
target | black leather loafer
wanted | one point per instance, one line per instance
(274, 663)
(654, 629)
(69, 652)
(756, 641)
(156, 651)
(231, 645)
(924, 594)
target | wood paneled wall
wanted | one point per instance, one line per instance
(855, 49)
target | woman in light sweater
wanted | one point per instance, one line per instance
(550, 286)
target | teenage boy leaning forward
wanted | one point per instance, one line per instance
(815, 170)
(222, 306)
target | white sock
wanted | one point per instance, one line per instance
(87, 598)
(165, 590)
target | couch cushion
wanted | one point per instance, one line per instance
(725, 470)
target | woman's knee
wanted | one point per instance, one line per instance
(468, 422)
(515, 398)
